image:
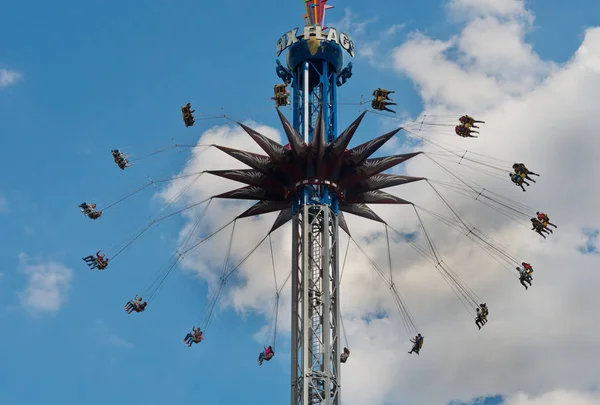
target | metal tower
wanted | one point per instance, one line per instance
(312, 181)
(315, 346)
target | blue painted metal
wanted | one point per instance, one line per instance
(344, 75)
(324, 62)
(301, 52)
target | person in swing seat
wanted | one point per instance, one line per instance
(344, 356)
(195, 336)
(265, 355)
(417, 344)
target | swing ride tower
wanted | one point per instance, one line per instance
(315, 59)
(312, 181)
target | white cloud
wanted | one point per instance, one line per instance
(478, 8)
(369, 38)
(48, 283)
(367, 45)
(559, 397)
(207, 260)
(8, 77)
(536, 112)
(350, 22)
(393, 29)
(489, 62)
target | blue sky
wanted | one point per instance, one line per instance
(97, 76)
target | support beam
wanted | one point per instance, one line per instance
(315, 322)
(315, 276)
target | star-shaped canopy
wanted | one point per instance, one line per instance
(274, 178)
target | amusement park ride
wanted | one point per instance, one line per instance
(312, 181)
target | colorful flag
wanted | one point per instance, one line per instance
(315, 11)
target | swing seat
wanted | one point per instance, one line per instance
(279, 90)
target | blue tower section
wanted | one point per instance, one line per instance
(315, 64)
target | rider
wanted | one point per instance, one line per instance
(417, 344)
(382, 100)
(382, 94)
(120, 159)
(465, 132)
(94, 214)
(382, 106)
(281, 95)
(523, 277)
(545, 220)
(101, 264)
(528, 270)
(539, 227)
(479, 319)
(194, 337)
(90, 211)
(484, 312)
(117, 154)
(467, 121)
(527, 267)
(344, 356)
(87, 208)
(284, 73)
(96, 262)
(135, 302)
(123, 164)
(344, 75)
(187, 112)
(518, 180)
(521, 170)
(137, 306)
(265, 355)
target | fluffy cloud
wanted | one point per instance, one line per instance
(48, 283)
(8, 77)
(541, 339)
(257, 294)
(560, 397)
(368, 46)
(492, 62)
(485, 8)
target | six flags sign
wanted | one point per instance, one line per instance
(315, 32)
